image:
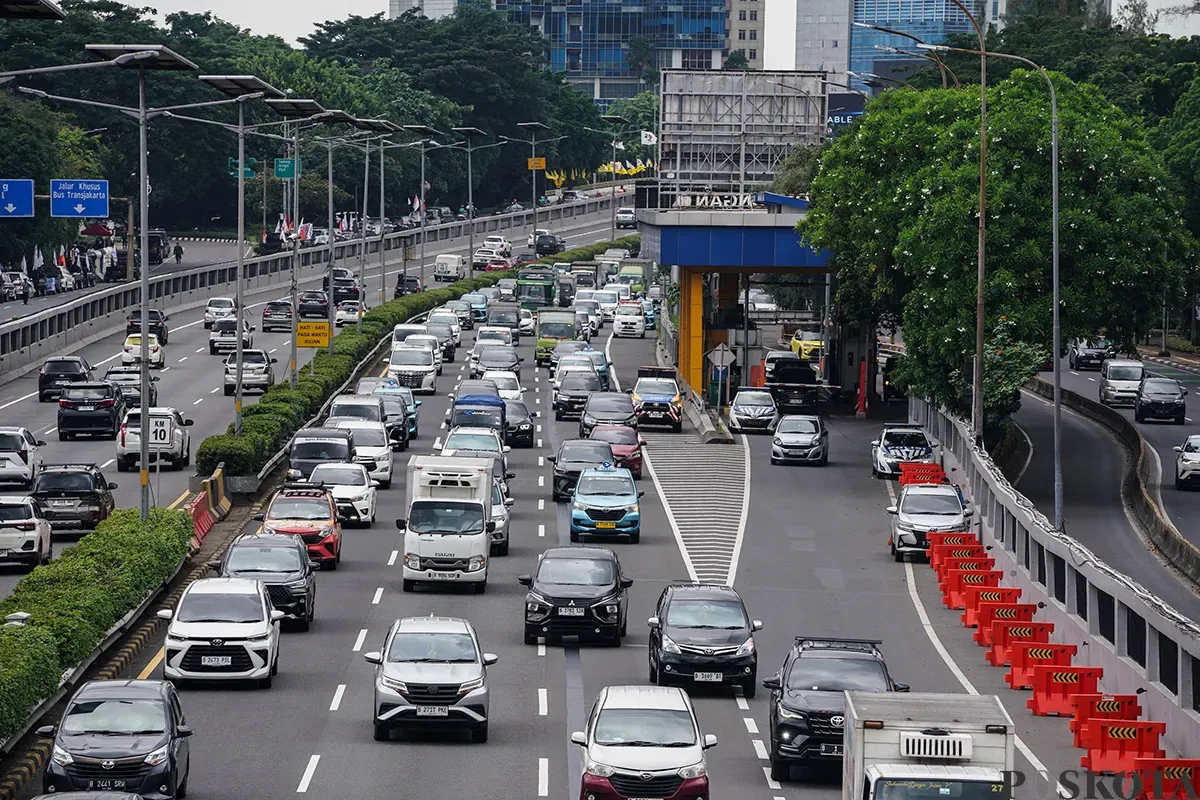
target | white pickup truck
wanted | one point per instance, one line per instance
(169, 441)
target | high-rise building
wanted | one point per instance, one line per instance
(930, 20)
(590, 40)
(433, 9)
(744, 29)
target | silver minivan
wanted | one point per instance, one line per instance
(359, 406)
(1119, 380)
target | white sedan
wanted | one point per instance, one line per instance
(507, 383)
(131, 353)
(347, 312)
(353, 490)
(527, 322)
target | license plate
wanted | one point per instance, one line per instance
(831, 749)
(708, 677)
(216, 661)
(444, 576)
(86, 408)
(568, 611)
(60, 503)
(655, 415)
(433, 711)
(645, 798)
(106, 784)
(606, 525)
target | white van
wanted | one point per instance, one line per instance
(449, 267)
(1119, 381)
(447, 534)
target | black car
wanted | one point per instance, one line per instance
(395, 420)
(547, 245)
(1089, 353)
(101, 795)
(1160, 398)
(314, 304)
(701, 634)
(346, 289)
(807, 717)
(573, 457)
(445, 337)
(605, 408)
(123, 736)
(565, 348)
(61, 371)
(500, 357)
(73, 496)
(277, 316)
(891, 390)
(573, 393)
(271, 244)
(406, 284)
(313, 446)
(281, 562)
(95, 409)
(477, 386)
(520, 424)
(577, 591)
(129, 381)
(157, 323)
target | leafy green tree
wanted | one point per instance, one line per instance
(641, 114)
(736, 61)
(639, 55)
(894, 200)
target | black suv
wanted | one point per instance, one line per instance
(277, 316)
(807, 718)
(59, 372)
(573, 457)
(314, 304)
(547, 245)
(346, 289)
(1160, 398)
(577, 591)
(95, 408)
(573, 394)
(406, 284)
(701, 633)
(157, 323)
(124, 736)
(281, 562)
(73, 496)
(519, 432)
(605, 408)
(129, 381)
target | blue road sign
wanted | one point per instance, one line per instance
(79, 197)
(16, 198)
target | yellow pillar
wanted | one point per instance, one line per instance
(691, 328)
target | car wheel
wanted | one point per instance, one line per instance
(265, 683)
(634, 538)
(774, 460)
(330, 564)
(408, 585)
(64, 437)
(382, 733)
(1137, 416)
(780, 772)
(275, 666)
(1179, 484)
(558, 416)
(187, 457)
(502, 549)
(824, 460)
(897, 555)
(480, 588)
(229, 391)
(1180, 420)
(181, 792)
(212, 351)
(574, 537)
(121, 465)
(47, 556)
(749, 688)
(480, 734)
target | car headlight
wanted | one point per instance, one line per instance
(598, 769)
(159, 756)
(393, 684)
(579, 505)
(470, 686)
(694, 771)
(777, 442)
(631, 509)
(264, 637)
(476, 563)
(412, 561)
(267, 529)
(358, 498)
(669, 646)
(588, 419)
(297, 584)
(326, 531)
(785, 713)
(61, 757)
(747, 648)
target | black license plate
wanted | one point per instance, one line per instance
(831, 749)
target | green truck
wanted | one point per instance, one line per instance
(637, 273)
(535, 289)
(552, 327)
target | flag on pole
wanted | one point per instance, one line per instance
(24, 265)
(618, 145)
(641, 167)
(279, 225)
(38, 261)
(264, 236)
(649, 137)
(628, 168)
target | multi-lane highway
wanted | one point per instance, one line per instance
(805, 546)
(192, 382)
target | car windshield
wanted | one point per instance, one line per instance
(586, 451)
(645, 727)
(610, 404)
(278, 307)
(1192, 445)
(445, 517)
(439, 648)
(605, 297)
(303, 508)
(597, 357)
(322, 450)
(205, 607)
(369, 385)
(1161, 386)
(576, 571)
(498, 355)
(630, 310)
(449, 320)
(556, 330)
(472, 441)
(905, 439)
(720, 614)
(115, 718)
(505, 382)
(62, 367)
(251, 558)
(475, 299)
(64, 481)
(503, 317)
(220, 326)
(1094, 344)
(86, 393)
(656, 386)
(414, 357)
(477, 417)
(587, 306)
(837, 675)
(1125, 373)
(568, 347)
(368, 437)
(491, 336)
(251, 357)
(615, 435)
(400, 334)
(220, 302)
(516, 410)
(753, 399)
(606, 486)
(369, 411)
(125, 379)
(798, 425)
(11, 512)
(580, 382)
(936, 504)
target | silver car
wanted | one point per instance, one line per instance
(256, 371)
(923, 509)
(500, 505)
(800, 438)
(752, 410)
(431, 674)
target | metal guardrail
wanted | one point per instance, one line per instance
(1144, 645)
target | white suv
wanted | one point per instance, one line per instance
(223, 337)
(129, 440)
(498, 243)
(222, 629)
(256, 371)
(629, 320)
(218, 308)
(644, 741)
(24, 534)
(20, 456)
(923, 509)
(1187, 462)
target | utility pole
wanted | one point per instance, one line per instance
(468, 134)
(426, 133)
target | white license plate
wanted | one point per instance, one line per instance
(60, 503)
(433, 711)
(831, 749)
(106, 784)
(655, 414)
(86, 408)
(708, 677)
(444, 576)
(216, 661)
(570, 612)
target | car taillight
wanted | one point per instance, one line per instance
(106, 403)
(123, 429)
(24, 455)
(153, 348)
(66, 404)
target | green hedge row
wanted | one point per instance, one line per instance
(268, 425)
(588, 252)
(75, 599)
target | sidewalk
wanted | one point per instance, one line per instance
(1182, 361)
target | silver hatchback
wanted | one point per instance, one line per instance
(431, 674)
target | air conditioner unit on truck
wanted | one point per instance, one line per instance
(926, 747)
(446, 533)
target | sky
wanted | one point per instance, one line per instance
(289, 19)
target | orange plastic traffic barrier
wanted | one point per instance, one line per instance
(959, 580)
(1053, 688)
(974, 595)
(1114, 745)
(1027, 655)
(946, 564)
(1087, 707)
(939, 552)
(920, 472)
(951, 537)
(1005, 634)
(989, 612)
(1165, 779)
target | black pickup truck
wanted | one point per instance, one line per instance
(795, 385)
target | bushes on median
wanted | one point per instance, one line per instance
(74, 600)
(589, 252)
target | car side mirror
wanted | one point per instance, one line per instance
(274, 360)
(1176, 448)
(489, 659)
(525, 580)
(900, 687)
(626, 583)
(183, 731)
(187, 423)
(314, 564)
(373, 658)
(508, 503)
(164, 613)
(213, 565)
(506, 449)
(756, 625)
(772, 684)
(508, 476)
(653, 622)
(491, 526)
(936, 443)
(642, 493)
(276, 615)
(401, 524)
(970, 512)
(893, 510)
(418, 403)
(47, 731)
(154, 379)
(522, 358)
(874, 443)
(112, 485)
(260, 517)
(1185, 392)
(40, 443)
(629, 391)
(578, 737)
(710, 741)
(535, 415)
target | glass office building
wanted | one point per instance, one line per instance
(931, 20)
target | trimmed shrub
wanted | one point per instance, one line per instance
(29, 673)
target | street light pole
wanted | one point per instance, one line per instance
(938, 61)
(295, 258)
(382, 242)
(426, 133)
(468, 133)
(329, 222)
(144, 246)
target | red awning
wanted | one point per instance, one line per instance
(96, 229)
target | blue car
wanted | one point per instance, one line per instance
(478, 305)
(651, 315)
(605, 503)
(601, 362)
(411, 403)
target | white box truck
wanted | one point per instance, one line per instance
(903, 746)
(447, 531)
(449, 267)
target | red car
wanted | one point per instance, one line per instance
(497, 264)
(626, 445)
(307, 511)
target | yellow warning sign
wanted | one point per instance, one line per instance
(535, 163)
(312, 334)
